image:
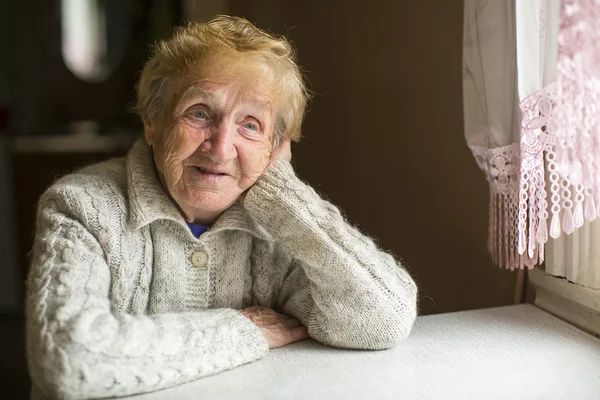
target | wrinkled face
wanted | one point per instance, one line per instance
(216, 141)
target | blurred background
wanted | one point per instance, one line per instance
(383, 135)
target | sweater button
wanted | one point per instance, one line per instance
(199, 259)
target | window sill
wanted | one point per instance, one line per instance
(573, 303)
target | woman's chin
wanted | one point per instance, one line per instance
(209, 201)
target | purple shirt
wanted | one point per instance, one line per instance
(197, 230)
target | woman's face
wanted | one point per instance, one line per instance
(216, 141)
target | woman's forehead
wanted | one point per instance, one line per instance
(218, 89)
(247, 84)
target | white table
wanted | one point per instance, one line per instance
(514, 352)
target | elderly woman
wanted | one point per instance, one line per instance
(201, 249)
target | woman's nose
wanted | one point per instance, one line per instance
(219, 143)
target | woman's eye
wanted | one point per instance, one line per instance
(199, 114)
(250, 126)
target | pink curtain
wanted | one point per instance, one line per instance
(544, 175)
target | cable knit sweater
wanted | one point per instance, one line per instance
(123, 299)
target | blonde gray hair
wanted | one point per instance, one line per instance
(180, 55)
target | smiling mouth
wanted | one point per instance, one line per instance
(207, 171)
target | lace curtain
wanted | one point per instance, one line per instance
(531, 84)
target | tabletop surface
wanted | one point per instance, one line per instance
(513, 352)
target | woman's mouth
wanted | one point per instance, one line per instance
(208, 172)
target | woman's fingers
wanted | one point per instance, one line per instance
(283, 151)
(298, 334)
(292, 323)
(279, 329)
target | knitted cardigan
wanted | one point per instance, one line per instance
(123, 299)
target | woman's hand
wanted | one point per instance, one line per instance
(279, 329)
(283, 151)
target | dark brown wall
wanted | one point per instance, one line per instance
(46, 96)
(384, 136)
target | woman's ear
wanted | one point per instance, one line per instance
(148, 133)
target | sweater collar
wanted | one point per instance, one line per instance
(148, 201)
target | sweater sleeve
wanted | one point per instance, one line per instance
(78, 347)
(347, 292)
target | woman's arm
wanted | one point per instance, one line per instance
(79, 348)
(340, 285)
